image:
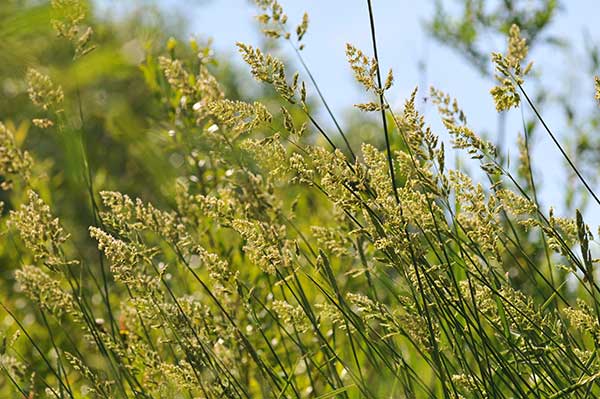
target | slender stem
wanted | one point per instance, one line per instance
(88, 177)
(333, 118)
(381, 103)
(526, 134)
(561, 149)
(320, 94)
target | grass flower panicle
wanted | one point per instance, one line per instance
(509, 71)
(14, 162)
(41, 232)
(42, 91)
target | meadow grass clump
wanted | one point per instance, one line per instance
(284, 263)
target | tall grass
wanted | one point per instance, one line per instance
(288, 265)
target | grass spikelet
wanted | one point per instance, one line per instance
(510, 72)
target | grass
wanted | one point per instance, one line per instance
(282, 264)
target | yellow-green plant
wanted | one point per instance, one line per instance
(286, 265)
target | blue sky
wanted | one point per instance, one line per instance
(402, 44)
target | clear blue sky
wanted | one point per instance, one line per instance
(402, 44)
